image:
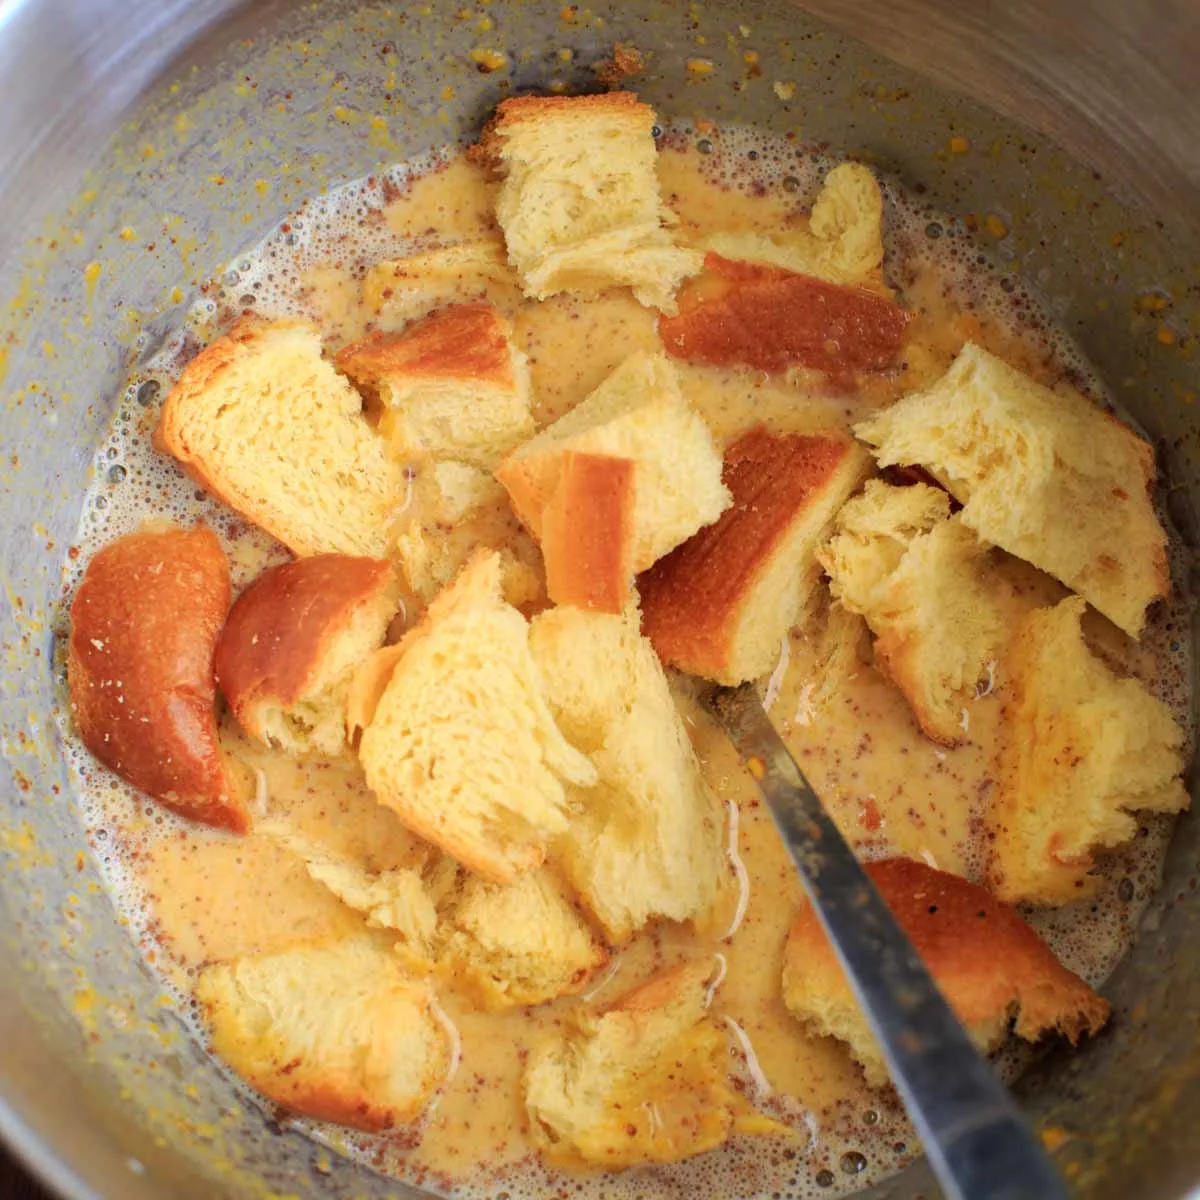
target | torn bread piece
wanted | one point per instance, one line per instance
(451, 385)
(720, 605)
(579, 201)
(334, 1031)
(1042, 473)
(842, 244)
(144, 624)
(294, 639)
(637, 413)
(754, 315)
(922, 580)
(991, 967)
(1081, 751)
(644, 1081)
(400, 290)
(457, 509)
(648, 840)
(462, 745)
(263, 421)
(588, 532)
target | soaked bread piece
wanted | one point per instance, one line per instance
(579, 201)
(921, 579)
(646, 842)
(293, 641)
(753, 315)
(990, 966)
(1044, 474)
(144, 624)
(450, 385)
(721, 604)
(842, 244)
(334, 1031)
(462, 745)
(263, 421)
(637, 413)
(1081, 751)
(644, 1081)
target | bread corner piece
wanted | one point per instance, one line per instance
(638, 413)
(462, 745)
(294, 639)
(721, 604)
(987, 962)
(262, 420)
(920, 578)
(644, 1081)
(579, 201)
(646, 841)
(1081, 751)
(334, 1031)
(144, 623)
(451, 385)
(1043, 473)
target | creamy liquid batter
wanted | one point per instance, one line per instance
(192, 895)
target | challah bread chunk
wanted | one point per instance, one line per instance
(263, 421)
(144, 623)
(579, 202)
(334, 1031)
(637, 413)
(991, 967)
(842, 244)
(294, 639)
(462, 745)
(588, 532)
(399, 290)
(647, 841)
(644, 1081)
(449, 386)
(1081, 750)
(1042, 473)
(720, 605)
(921, 579)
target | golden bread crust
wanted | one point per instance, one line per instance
(520, 109)
(769, 318)
(693, 598)
(587, 532)
(144, 624)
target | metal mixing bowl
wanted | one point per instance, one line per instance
(142, 143)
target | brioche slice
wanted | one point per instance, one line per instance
(144, 623)
(1081, 750)
(293, 641)
(754, 315)
(333, 1031)
(842, 244)
(1045, 475)
(720, 605)
(645, 1081)
(456, 510)
(265, 423)
(450, 385)
(462, 746)
(588, 532)
(579, 201)
(991, 967)
(638, 413)
(400, 290)
(647, 842)
(920, 578)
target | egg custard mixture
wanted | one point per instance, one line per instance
(496, 454)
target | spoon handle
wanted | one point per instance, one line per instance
(974, 1135)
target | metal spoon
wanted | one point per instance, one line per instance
(977, 1141)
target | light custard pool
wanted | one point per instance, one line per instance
(191, 895)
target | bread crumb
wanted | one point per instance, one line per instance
(785, 91)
